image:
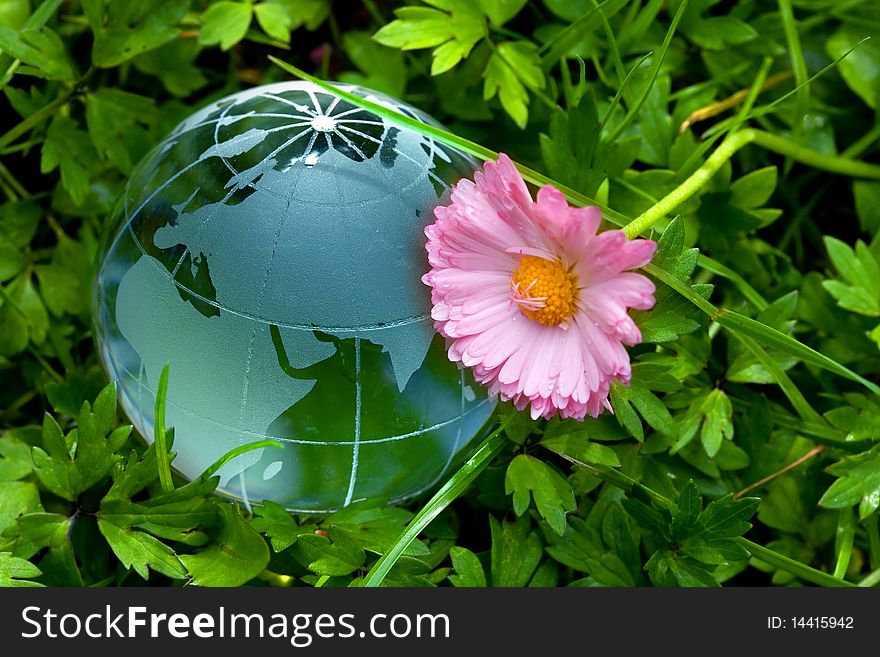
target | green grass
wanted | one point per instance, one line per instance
(765, 338)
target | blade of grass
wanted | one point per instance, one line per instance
(843, 540)
(623, 85)
(616, 59)
(488, 450)
(652, 77)
(159, 434)
(798, 64)
(800, 404)
(738, 281)
(872, 529)
(236, 452)
(763, 110)
(552, 51)
(777, 340)
(789, 565)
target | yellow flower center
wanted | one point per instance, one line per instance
(545, 290)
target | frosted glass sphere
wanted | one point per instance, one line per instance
(270, 251)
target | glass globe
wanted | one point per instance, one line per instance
(270, 251)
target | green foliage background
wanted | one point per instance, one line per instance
(745, 452)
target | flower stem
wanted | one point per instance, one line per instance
(725, 151)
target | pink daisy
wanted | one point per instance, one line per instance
(530, 297)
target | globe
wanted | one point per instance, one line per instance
(269, 251)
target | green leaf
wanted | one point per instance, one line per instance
(68, 471)
(274, 20)
(41, 50)
(576, 446)
(454, 33)
(115, 119)
(174, 64)
(744, 366)
(718, 31)
(860, 419)
(140, 551)
(727, 518)
(671, 254)
(16, 499)
(18, 222)
(15, 572)
(861, 69)
(69, 148)
(867, 195)
(516, 552)
(225, 23)
(686, 512)
(23, 317)
(716, 410)
(715, 553)
(15, 458)
(277, 523)
(754, 189)
(670, 316)
(34, 533)
(655, 413)
(685, 571)
(337, 555)
(528, 477)
(858, 288)
(123, 30)
(501, 11)
(14, 13)
(513, 67)
(383, 68)
(237, 555)
(858, 483)
(374, 528)
(569, 150)
(468, 569)
(278, 18)
(171, 517)
(581, 548)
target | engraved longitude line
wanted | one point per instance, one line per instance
(250, 353)
(315, 103)
(141, 387)
(287, 101)
(333, 104)
(363, 155)
(220, 123)
(346, 121)
(430, 173)
(351, 111)
(273, 153)
(357, 422)
(458, 430)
